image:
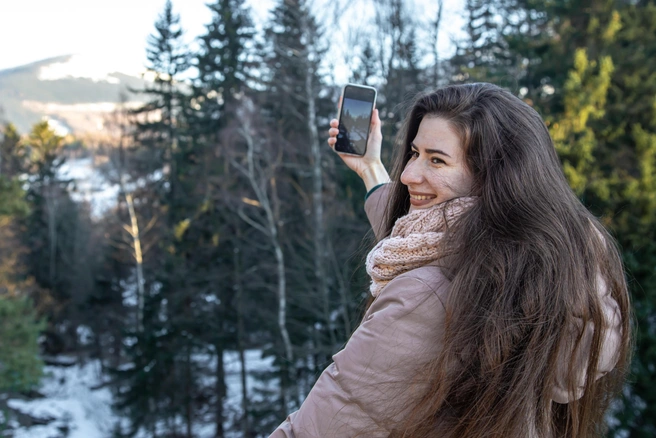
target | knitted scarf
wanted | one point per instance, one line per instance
(414, 242)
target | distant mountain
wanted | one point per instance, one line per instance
(73, 92)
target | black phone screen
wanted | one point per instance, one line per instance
(355, 119)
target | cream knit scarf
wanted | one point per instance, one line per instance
(414, 242)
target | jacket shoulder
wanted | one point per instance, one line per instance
(420, 284)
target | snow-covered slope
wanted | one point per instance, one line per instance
(76, 91)
(76, 404)
(73, 409)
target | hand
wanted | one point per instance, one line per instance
(369, 166)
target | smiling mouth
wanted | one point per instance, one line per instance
(421, 200)
(422, 197)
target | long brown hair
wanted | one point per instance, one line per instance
(525, 277)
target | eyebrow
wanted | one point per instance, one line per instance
(431, 151)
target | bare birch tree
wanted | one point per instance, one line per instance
(262, 181)
(309, 34)
(119, 123)
(434, 38)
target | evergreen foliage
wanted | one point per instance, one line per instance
(12, 198)
(224, 63)
(20, 365)
(10, 152)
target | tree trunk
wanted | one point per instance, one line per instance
(269, 227)
(51, 208)
(435, 35)
(317, 201)
(189, 398)
(245, 423)
(138, 256)
(220, 389)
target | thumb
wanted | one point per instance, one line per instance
(375, 127)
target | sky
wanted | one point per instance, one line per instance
(114, 32)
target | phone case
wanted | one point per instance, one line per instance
(355, 119)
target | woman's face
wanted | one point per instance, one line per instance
(436, 171)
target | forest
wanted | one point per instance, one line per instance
(237, 232)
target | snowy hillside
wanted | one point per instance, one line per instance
(75, 91)
(77, 404)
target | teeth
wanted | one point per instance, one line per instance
(421, 198)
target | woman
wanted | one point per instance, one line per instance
(500, 306)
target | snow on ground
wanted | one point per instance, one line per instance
(255, 364)
(87, 413)
(96, 68)
(91, 185)
(71, 402)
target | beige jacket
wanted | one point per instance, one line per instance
(373, 376)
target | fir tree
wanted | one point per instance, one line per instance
(159, 391)
(223, 63)
(293, 109)
(20, 365)
(51, 230)
(11, 159)
(156, 121)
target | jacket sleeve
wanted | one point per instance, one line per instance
(610, 342)
(374, 378)
(375, 206)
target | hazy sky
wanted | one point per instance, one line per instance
(115, 31)
(31, 30)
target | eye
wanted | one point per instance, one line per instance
(414, 154)
(436, 160)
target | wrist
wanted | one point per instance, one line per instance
(373, 175)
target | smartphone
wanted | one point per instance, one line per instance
(358, 102)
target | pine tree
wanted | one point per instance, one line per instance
(294, 111)
(223, 63)
(399, 60)
(365, 71)
(20, 365)
(13, 208)
(159, 391)
(156, 121)
(207, 239)
(10, 152)
(484, 55)
(51, 232)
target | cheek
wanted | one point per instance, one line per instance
(457, 183)
(464, 183)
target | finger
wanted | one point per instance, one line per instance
(333, 132)
(334, 123)
(331, 141)
(375, 123)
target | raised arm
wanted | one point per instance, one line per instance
(369, 167)
(376, 208)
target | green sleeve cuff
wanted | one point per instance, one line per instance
(373, 190)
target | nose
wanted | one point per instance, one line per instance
(412, 174)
